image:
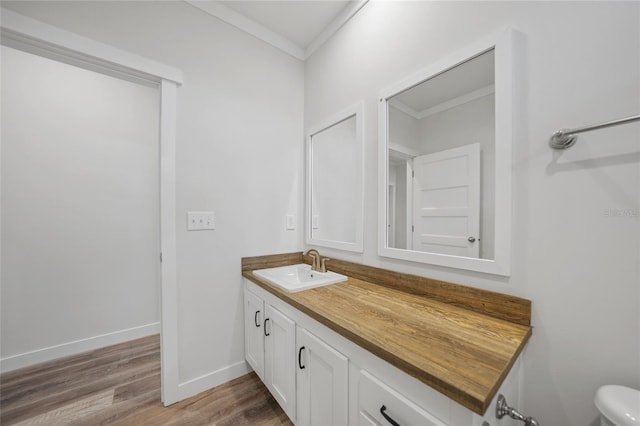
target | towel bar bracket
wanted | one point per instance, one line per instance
(562, 140)
(503, 409)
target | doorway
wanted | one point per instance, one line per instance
(32, 36)
(80, 209)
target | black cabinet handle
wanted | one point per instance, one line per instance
(265, 327)
(386, 416)
(255, 319)
(300, 358)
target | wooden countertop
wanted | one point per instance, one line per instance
(459, 340)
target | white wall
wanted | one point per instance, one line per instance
(239, 152)
(80, 210)
(575, 253)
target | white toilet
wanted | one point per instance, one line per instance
(618, 405)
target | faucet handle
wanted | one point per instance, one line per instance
(323, 266)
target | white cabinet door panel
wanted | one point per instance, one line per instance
(253, 334)
(280, 359)
(323, 383)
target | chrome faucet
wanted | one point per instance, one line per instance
(319, 262)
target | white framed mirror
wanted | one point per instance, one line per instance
(445, 136)
(334, 213)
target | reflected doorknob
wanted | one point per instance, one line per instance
(471, 239)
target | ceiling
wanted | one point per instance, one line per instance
(297, 27)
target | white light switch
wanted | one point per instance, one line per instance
(315, 221)
(291, 222)
(200, 221)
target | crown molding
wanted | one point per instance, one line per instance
(263, 33)
(333, 27)
(249, 26)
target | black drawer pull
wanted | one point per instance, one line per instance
(386, 416)
(300, 358)
(255, 319)
(265, 327)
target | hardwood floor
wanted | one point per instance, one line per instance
(120, 385)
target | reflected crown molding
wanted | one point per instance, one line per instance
(455, 102)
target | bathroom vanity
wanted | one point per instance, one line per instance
(383, 347)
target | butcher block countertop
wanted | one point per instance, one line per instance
(461, 341)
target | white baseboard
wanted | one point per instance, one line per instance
(211, 380)
(72, 348)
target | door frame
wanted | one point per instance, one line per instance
(32, 36)
(391, 213)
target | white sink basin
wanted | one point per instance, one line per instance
(299, 277)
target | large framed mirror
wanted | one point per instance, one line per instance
(335, 181)
(445, 141)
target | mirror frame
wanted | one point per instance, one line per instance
(503, 43)
(357, 111)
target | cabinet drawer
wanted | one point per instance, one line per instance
(376, 399)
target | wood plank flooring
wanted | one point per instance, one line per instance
(120, 385)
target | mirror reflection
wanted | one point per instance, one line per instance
(441, 162)
(335, 185)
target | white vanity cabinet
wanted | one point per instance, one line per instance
(270, 344)
(321, 378)
(306, 376)
(322, 382)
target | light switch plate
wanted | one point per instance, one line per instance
(291, 222)
(201, 221)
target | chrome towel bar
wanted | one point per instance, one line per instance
(565, 138)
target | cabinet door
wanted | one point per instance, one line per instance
(323, 384)
(280, 359)
(378, 404)
(253, 334)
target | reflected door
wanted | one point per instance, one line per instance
(446, 202)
